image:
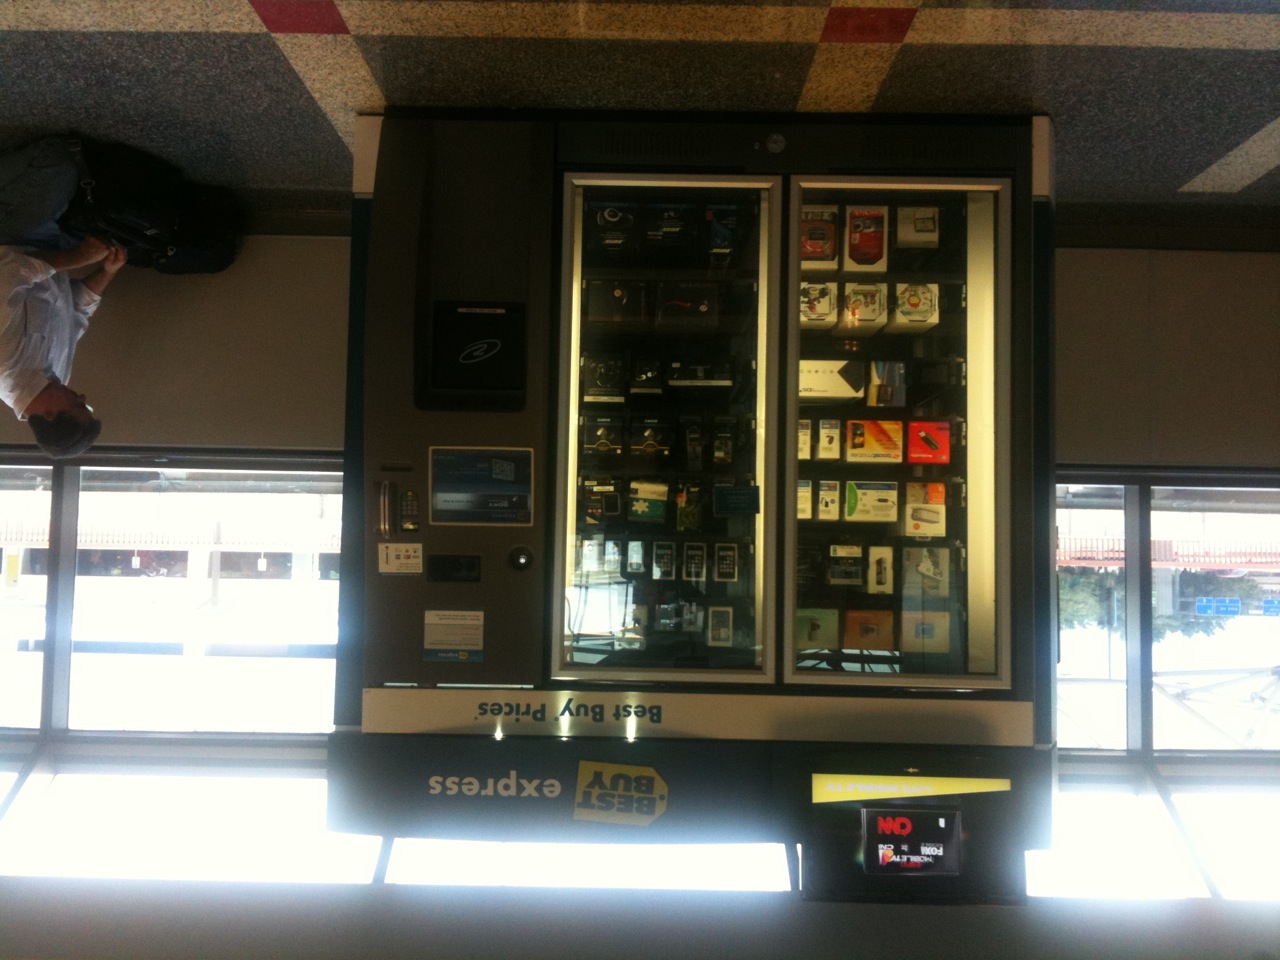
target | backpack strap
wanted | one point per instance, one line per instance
(76, 149)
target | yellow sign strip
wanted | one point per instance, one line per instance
(846, 787)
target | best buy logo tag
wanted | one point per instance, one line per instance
(612, 793)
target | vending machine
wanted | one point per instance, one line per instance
(705, 464)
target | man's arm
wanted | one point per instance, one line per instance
(115, 259)
(89, 250)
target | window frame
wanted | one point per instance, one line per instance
(1140, 757)
(57, 646)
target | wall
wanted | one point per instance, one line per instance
(1163, 357)
(251, 357)
(1168, 358)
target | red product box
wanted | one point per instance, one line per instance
(929, 441)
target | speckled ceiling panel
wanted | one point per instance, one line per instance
(588, 74)
(1131, 124)
(1154, 101)
(227, 107)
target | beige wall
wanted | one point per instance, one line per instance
(251, 357)
(1168, 358)
(1163, 357)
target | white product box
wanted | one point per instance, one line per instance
(866, 239)
(828, 499)
(871, 501)
(915, 308)
(880, 570)
(863, 311)
(833, 379)
(819, 237)
(829, 439)
(818, 305)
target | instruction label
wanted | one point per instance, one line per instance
(453, 635)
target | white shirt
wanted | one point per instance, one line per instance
(46, 313)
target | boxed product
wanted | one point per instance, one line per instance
(602, 498)
(726, 563)
(888, 386)
(865, 247)
(646, 376)
(720, 626)
(868, 501)
(926, 574)
(651, 437)
(689, 507)
(621, 303)
(694, 443)
(818, 305)
(873, 441)
(664, 560)
(829, 439)
(833, 379)
(828, 499)
(864, 310)
(845, 565)
(647, 502)
(924, 511)
(604, 379)
(819, 227)
(880, 570)
(915, 308)
(612, 229)
(868, 630)
(917, 227)
(929, 441)
(925, 631)
(804, 440)
(693, 565)
(724, 432)
(688, 306)
(602, 435)
(817, 628)
(804, 500)
(726, 224)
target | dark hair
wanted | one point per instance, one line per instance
(63, 435)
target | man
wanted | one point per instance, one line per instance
(45, 314)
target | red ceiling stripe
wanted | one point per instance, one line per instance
(867, 25)
(300, 16)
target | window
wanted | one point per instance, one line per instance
(204, 597)
(1091, 625)
(24, 540)
(1215, 558)
(1169, 615)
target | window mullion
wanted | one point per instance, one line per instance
(60, 598)
(1138, 619)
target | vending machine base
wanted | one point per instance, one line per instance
(899, 823)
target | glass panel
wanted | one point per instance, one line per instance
(1216, 584)
(664, 521)
(668, 866)
(205, 600)
(165, 827)
(1113, 845)
(24, 542)
(895, 465)
(1245, 867)
(1091, 624)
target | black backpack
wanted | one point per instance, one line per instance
(207, 236)
(146, 205)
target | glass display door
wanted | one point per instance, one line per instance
(667, 510)
(899, 403)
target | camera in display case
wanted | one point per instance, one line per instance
(667, 331)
